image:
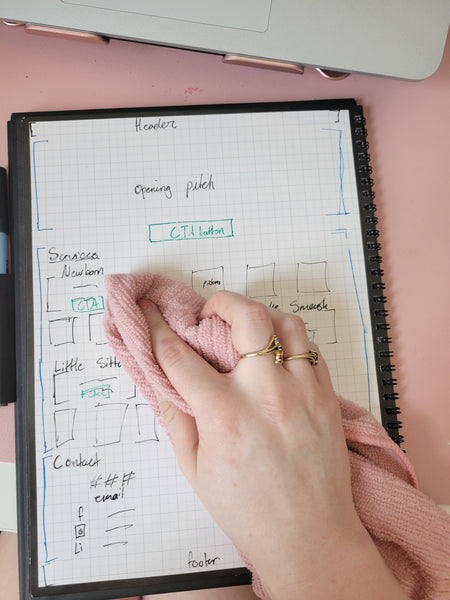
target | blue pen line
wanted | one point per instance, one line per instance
(339, 231)
(364, 330)
(44, 501)
(41, 382)
(46, 450)
(36, 187)
(342, 209)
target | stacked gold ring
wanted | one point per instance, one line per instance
(274, 347)
(312, 356)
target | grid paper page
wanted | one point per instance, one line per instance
(264, 204)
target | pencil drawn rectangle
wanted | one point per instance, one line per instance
(261, 281)
(312, 277)
(207, 281)
(109, 419)
(64, 425)
(96, 332)
(61, 331)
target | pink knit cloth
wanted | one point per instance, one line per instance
(411, 532)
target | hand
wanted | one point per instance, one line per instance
(265, 452)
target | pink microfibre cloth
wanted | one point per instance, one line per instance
(411, 532)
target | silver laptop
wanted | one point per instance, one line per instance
(394, 38)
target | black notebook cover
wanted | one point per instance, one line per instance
(272, 200)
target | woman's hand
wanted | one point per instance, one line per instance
(266, 454)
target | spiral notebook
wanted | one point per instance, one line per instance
(273, 201)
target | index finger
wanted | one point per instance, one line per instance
(192, 377)
(250, 321)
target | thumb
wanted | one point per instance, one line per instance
(182, 431)
(180, 426)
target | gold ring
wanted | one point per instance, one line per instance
(273, 347)
(312, 356)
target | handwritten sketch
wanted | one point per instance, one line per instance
(79, 531)
(127, 388)
(109, 420)
(342, 208)
(95, 329)
(323, 324)
(311, 333)
(61, 388)
(48, 573)
(130, 508)
(55, 297)
(88, 304)
(146, 424)
(132, 393)
(117, 525)
(312, 277)
(36, 186)
(98, 388)
(326, 325)
(179, 231)
(261, 281)
(207, 281)
(64, 421)
(62, 331)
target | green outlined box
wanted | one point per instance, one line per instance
(88, 304)
(177, 231)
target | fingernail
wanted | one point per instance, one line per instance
(145, 305)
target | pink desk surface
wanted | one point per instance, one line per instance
(409, 135)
